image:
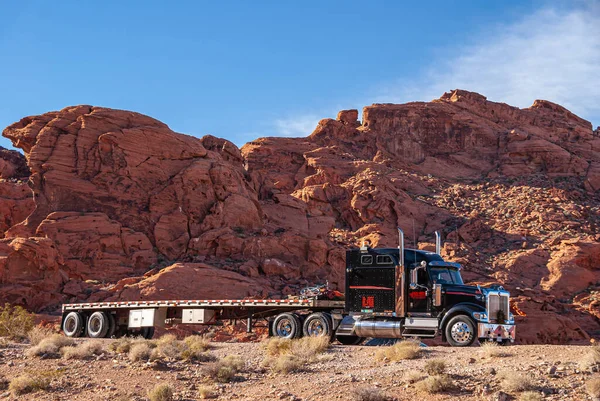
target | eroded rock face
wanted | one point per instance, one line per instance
(12, 165)
(119, 195)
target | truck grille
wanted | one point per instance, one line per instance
(497, 301)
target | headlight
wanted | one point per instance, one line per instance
(480, 316)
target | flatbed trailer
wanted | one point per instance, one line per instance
(108, 319)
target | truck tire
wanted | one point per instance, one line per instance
(287, 325)
(349, 340)
(318, 324)
(73, 325)
(148, 332)
(460, 331)
(98, 325)
(112, 325)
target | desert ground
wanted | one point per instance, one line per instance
(364, 373)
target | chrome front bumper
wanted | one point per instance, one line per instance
(497, 332)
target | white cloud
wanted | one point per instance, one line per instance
(298, 126)
(551, 54)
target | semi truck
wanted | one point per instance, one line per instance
(390, 293)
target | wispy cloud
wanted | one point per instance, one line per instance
(552, 54)
(297, 126)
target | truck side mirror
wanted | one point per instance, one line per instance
(437, 295)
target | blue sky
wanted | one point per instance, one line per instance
(246, 69)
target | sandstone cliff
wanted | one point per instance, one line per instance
(118, 196)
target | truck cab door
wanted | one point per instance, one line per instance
(419, 298)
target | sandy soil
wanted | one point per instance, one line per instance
(336, 376)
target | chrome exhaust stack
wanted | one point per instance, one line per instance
(400, 309)
(438, 242)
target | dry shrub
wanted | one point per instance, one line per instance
(308, 348)
(435, 366)
(593, 387)
(369, 394)
(120, 346)
(400, 351)
(197, 343)
(15, 322)
(591, 358)
(492, 350)
(515, 382)
(162, 392)
(205, 392)
(530, 396)
(4, 342)
(276, 346)
(50, 346)
(413, 376)
(38, 333)
(84, 350)
(224, 371)
(28, 383)
(435, 384)
(140, 352)
(285, 356)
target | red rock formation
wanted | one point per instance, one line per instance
(12, 165)
(515, 192)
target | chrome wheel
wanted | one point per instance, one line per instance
(284, 327)
(461, 333)
(70, 324)
(315, 328)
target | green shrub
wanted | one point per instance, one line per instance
(15, 322)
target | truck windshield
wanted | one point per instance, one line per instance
(445, 275)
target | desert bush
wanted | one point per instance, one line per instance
(50, 346)
(284, 356)
(491, 349)
(435, 384)
(162, 392)
(413, 376)
(435, 366)
(38, 333)
(399, 351)
(205, 392)
(530, 396)
(276, 346)
(369, 394)
(591, 358)
(515, 382)
(285, 363)
(224, 371)
(15, 322)
(28, 383)
(593, 387)
(197, 343)
(120, 346)
(139, 352)
(84, 350)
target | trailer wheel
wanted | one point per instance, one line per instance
(287, 325)
(98, 325)
(349, 340)
(318, 325)
(460, 331)
(112, 325)
(148, 332)
(73, 325)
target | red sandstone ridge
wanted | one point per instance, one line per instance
(118, 196)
